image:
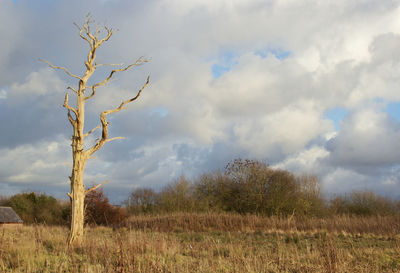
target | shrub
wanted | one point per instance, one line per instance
(213, 192)
(363, 203)
(37, 208)
(311, 200)
(98, 210)
(257, 188)
(177, 196)
(141, 200)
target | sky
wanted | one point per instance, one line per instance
(303, 85)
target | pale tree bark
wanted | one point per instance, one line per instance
(76, 117)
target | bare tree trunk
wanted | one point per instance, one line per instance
(77, 194)
(77, 210)
(77, 120)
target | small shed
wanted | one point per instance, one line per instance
(8, 217)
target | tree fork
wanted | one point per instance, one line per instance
(79, 154)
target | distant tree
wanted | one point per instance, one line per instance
(213, 192)
(177, 196)
(363, 203)
(141, 200)
(76, 116)
(257, 188)
(311, 201)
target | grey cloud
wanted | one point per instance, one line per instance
(268, 108)
(368, 138)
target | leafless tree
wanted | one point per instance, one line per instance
(76, 117)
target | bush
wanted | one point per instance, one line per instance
(38, 208)
(311, 200)
(257, 188)
(98, 210)
(213, 192)
(177, 196)
(364, 203)
(141, 201)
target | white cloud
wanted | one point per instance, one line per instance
(288, 130)
(342, 54)
(305, 161)
(46, 162)
(368, 138)
(44, 84)
(3, 94)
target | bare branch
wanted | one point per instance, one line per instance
(96, 187)
(91, 131)
(69, 107)
(81, 35)
(114, 138)
(104, 123)
(71, 119)
(70, 195)
(130, 100)
(86, 26)
(109, 34)
(73, 89)
(98, 65)
(93, 92)
(62, 68)
(139, 61)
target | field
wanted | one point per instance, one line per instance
(210, 243)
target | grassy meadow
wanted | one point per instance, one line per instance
(210, 243)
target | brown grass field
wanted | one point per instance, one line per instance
(210, 243)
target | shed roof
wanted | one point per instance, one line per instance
(8, 215)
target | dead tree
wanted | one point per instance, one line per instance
(76, 117)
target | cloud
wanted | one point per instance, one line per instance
(288, 130)
(3, 94)
(45, 163)
(368, 138)
(43, 86)
(342, 55)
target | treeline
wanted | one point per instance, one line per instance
(44, 209)
(244, 187)
(252, 187)
(38, 208)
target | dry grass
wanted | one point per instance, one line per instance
(386, 225)
(210, 243)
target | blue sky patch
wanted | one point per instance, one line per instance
(336, 114)
(217, 70)
(228, 59)
(159, 111)
(393, 109)
(279, 53)
(225, 64)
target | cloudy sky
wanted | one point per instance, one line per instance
(307, 86)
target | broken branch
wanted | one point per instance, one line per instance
(96, 187)
(73, 89)
(67, 106)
